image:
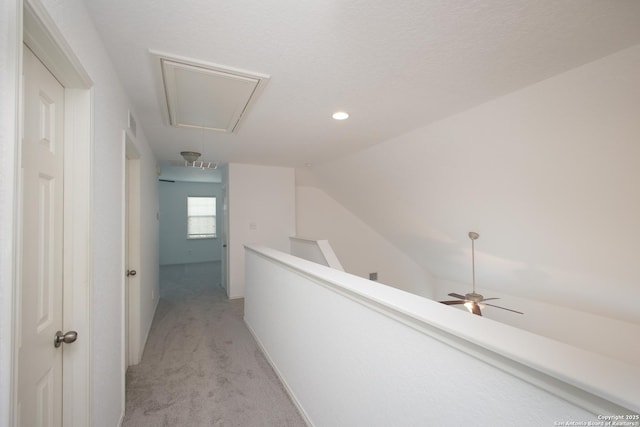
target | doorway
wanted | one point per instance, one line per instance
(191, 224)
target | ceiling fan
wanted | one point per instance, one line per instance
(473, 300)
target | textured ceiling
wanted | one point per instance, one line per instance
(447, 122)
(393, 65)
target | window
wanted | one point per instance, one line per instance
(201, 217)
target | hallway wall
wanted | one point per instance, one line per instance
(261, 212)
(175, 248)
(110, 114)
(150, 240)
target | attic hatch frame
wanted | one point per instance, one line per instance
(241, 90)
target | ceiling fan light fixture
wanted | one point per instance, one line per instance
(469, 304)
(190, 156)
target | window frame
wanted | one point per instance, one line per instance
(200, 236)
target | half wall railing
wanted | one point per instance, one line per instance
(352, 352)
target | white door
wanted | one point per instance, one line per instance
(40, 362)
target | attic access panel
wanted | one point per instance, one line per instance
(207, 96)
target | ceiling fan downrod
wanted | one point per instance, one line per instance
(473, 236)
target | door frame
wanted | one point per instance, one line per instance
(224, 258)
(37, 29)
(132, 344)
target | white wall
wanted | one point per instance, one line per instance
(175, 248)
(261, 211)
(353, 353)
(110, 115)
(547, 175)
(149, 245)
(360, 249)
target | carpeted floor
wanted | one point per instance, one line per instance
(201, 366)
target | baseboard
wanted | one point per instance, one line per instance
(143, 343)
(288, 389)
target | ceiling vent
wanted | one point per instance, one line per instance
(206, 96)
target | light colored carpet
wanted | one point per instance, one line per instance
(201, 366)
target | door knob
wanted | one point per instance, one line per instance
(131, 273)
(67, 338)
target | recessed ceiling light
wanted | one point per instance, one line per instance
(340, 115)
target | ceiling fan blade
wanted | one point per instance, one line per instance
(475, 309)
(488, 299)
(508, 309)
(452, 302)
(457, 296)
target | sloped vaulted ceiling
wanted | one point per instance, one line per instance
(548, 175)
(457, 123)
